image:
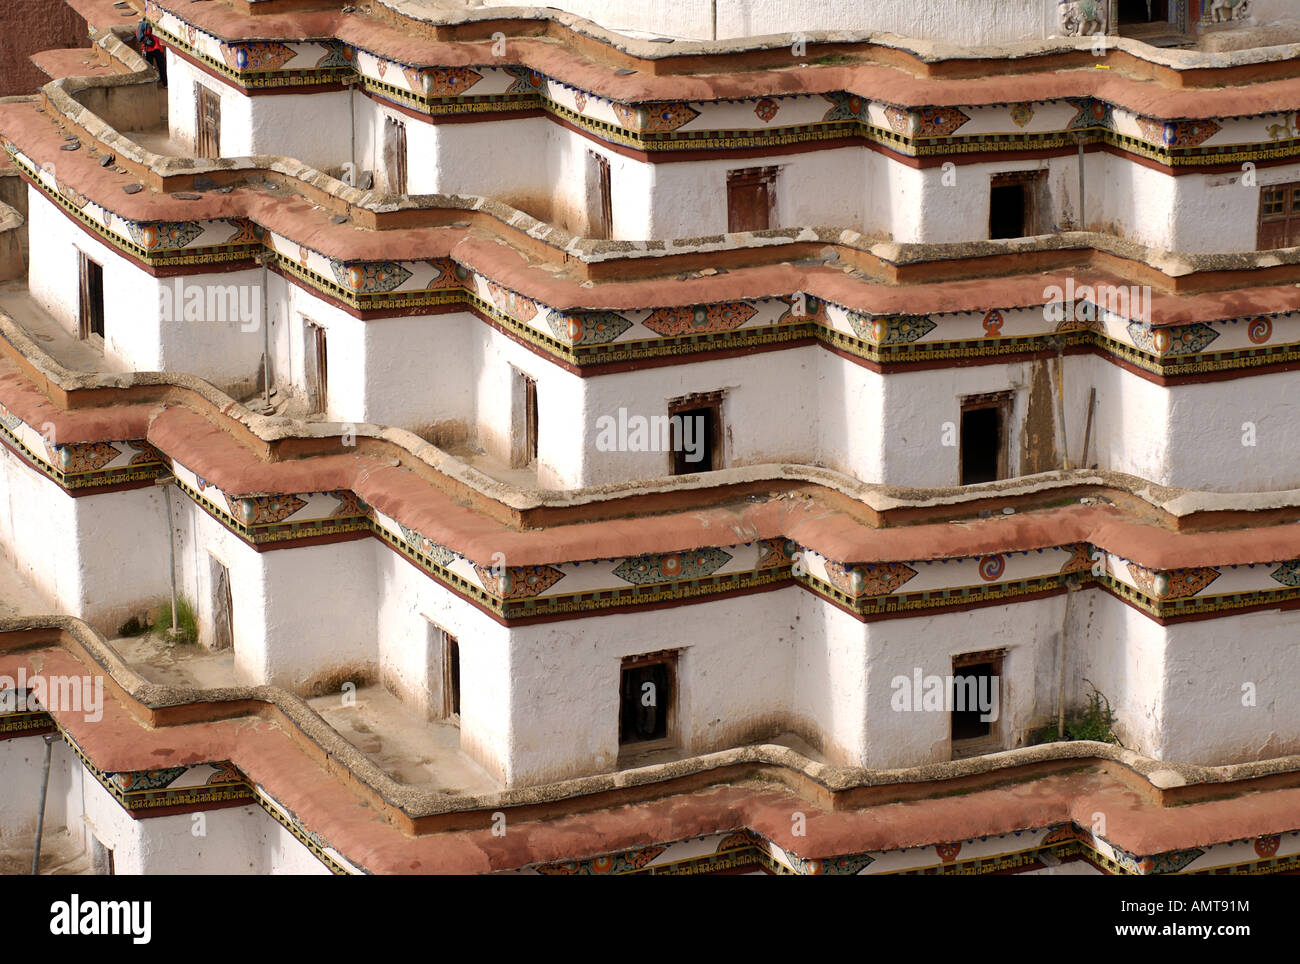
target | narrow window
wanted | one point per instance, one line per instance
(208, 126)
(645, 699)
(696, 422)
(751, 198)
(395, 155)
(976, 700)
(602, 205)
(223, 614)
(450, 676)
(524, 428)
(983, 453)
(317, 354)
(1279, 217)
(1014, 204)
(91, 303)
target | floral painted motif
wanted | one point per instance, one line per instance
(892, 329)
(900, 121)
(672, 566)
(1080, 557)
(518, 582)
(145, 779)
(698, 319)
(512, 303)
(808, 309)
(268, 509)
(262, 55)
(621, 863)
(580, 100)
(1288, 574)
(1177, 584)
(939, 121)
(1184, 133)
(776, 553)
(846, 107)
(655, 118)
(245, 232)
(441, 555)
(337, 54)
(588, 328)
(868, 579)
(527, 81)
(85, 456)
(370, 277)
(447, 81)
(161, 235)
(446, 274)
(1178, 340)
(766, 109)
(1090, 113)
(1022, 114)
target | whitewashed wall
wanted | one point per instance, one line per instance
(967, 22)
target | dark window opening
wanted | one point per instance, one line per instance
(450, 675)
(971, 684)
(751, 198)
(1015, 201)
(696, 423)
(1142, 11)
(1279, 217)
(395, 155)
(644, 701)
(91, 304)
(983, 440)
(208, 106)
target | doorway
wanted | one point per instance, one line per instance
(751, 199)
(523, 429)
(1143, 11)
(983, 452)
(90, 308)
(223, 609)
(602, 198)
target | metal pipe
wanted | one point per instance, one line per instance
(266, 336)
(40, 816)
(1083, 189)
(715, 19)
(166, 483)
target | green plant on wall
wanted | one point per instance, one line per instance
(185, 621)
(1095, 722)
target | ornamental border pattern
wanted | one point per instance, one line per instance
(830, 324)
(915, 132)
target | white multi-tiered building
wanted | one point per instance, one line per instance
(636, 404)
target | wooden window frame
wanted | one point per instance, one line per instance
(395, 155)
(671, 659)
(1002, 401)
(602, 224)
(524, 419)
(316, 343)
(89, 308)
(750, 177)
(223, 604)
(996, 658)
(451, 694)
(1288, 218)
(687, 403)
(207, 138)
(1032, 184)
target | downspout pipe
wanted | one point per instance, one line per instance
(166, 482)
(40, 815)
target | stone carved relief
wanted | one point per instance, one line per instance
(1223, 11)
(1083, 18)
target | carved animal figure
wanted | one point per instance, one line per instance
(1085, 19)
(1221, 11)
